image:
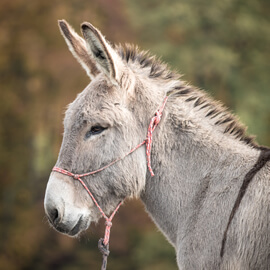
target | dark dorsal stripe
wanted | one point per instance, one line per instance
(263, 158)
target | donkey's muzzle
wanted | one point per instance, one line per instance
(67, 227)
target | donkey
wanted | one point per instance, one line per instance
(209, 191)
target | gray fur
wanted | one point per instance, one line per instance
(200, 156)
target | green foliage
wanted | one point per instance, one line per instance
(153, 252)
(222, 46)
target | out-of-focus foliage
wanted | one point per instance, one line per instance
(222, 46)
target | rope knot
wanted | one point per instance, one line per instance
(157, 117)
(108, 223)
(104, 249)
(76, 176)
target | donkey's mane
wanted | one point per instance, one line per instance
(158, 69)
(214, 110)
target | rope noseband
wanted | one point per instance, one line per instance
(103, 244)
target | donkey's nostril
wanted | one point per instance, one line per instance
(54, 216)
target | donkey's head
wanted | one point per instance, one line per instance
(102, 124)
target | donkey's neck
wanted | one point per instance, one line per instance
(191, 156)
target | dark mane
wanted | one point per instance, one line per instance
(200, 99)
(158, 69)
(216, 111)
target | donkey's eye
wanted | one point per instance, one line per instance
(94, 131)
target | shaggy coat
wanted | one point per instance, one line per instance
(210, 195)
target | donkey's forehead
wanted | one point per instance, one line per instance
(95, 95)
(98, 96)
(98, 90)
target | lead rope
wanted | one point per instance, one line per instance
(103, 244)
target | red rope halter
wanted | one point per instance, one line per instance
(148, 141)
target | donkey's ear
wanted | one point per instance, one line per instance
(106, 57)
(78, 48)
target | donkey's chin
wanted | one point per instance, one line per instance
(73, 229)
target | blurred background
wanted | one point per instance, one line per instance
(220, 46)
